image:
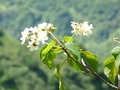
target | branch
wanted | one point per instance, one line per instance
(93, 72)
(87, 67)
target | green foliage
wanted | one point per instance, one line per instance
(117, 63)
(21, 69)
(1, 33)
(44, 51)
(68, 39)
(74, 50)
(48, 54)
(75, 65)
(49, 59)
(15, 15)
(103, 14)
(58, 76)
(116, 51)
(110, 69)
(91, 59)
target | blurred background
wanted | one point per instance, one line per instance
(21, 69)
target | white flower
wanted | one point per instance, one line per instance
(33, 36)
(77, 30)
(34, 30)
(36, 35)
(25, 35)
(86, 28)
(50, 27)
(116, 39)
(42, 26)
(82, 28)
(46, 26)
(33, 45)
(74, 25)
(42, 36)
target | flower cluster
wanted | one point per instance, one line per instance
(116, 39)
(36, 35)
(82, 28)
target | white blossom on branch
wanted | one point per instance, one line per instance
(82, 28)
(36, 35)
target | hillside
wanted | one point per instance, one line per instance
(22, 69)
(15, 15)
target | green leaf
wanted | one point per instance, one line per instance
(57, 50)
(117, 63)
(68, 39)
(110, 69)
(116, 51)
(74, 50)
(57, 72)
(49, 59)
(42, 56)
(75, 65)
(48, 54)
(91, 59)
(58, 76)
(46, 49)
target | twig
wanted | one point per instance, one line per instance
(87, 67)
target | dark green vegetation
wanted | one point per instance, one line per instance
(21, 69)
